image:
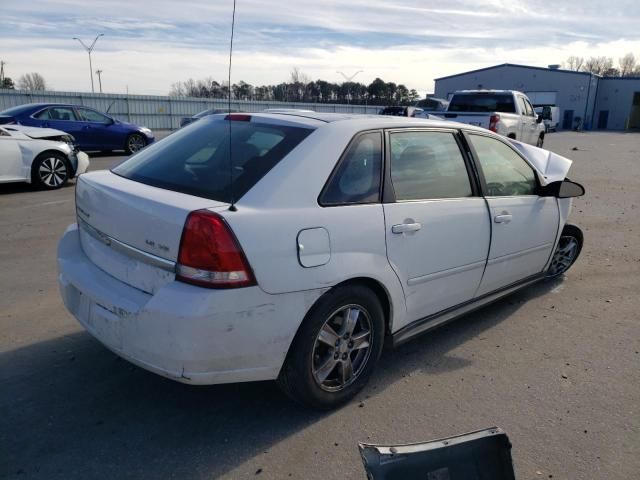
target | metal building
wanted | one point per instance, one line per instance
(585, 99)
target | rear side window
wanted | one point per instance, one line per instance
(57, 113)
(482, 102)
(427, 165)
(200, 160)
(357, 177)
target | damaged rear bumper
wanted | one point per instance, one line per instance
(187, 333)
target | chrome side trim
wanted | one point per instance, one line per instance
(128, 250)
(438, 319)
(444, 273)
(521, 253)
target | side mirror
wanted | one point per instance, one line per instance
(563, 189)
(539, 119)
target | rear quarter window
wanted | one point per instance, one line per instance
(201, 160)
(357, 177)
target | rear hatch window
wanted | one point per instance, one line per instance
(214, 158)
(482, 102)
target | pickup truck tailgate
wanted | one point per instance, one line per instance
(476, 119)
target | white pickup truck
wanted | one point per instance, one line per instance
(506, 112)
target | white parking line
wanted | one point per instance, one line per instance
(56, 202)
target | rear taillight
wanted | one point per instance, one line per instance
(493, 123)
(238, 117)
(210, 255)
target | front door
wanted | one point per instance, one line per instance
(567, 120)
(523, 225)
(603, 118)
(437, 229)
(100, 129)
(64, 119)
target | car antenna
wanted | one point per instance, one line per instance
(232, 207)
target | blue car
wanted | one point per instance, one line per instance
(91, 129)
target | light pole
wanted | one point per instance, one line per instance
(89, 50)
(349, 79)
(99, 72)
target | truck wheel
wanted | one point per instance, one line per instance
(540, 141)
(335, 349)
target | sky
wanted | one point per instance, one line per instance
(150, 44)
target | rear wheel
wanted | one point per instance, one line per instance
(135, 142)
(567, 251)
(335, 349)
(540, 141)
(50, 170)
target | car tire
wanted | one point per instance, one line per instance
(348, 362)
(135, 142)
(567, 251)
(540, 141)
(50, 171)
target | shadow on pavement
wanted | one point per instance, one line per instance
(72, 409)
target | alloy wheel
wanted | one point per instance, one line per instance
(135, 143)
(342, 348)
(52, 172)
(564, 256)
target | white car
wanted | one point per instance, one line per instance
(42, 156)
(338, 233)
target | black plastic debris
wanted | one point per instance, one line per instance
(481, 455)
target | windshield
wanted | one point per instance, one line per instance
(482, 102)
(195, 160)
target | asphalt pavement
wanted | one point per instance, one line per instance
(557, 366)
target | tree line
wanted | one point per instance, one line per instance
(300, 88)
(627, 66)
(29, 81)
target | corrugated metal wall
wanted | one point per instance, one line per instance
(159, 112)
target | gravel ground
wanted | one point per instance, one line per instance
(556, 366)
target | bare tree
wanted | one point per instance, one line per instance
(177, 90)
(574, 63)
(598, 65)
(32, 81)
(627, 65)
(297, 76)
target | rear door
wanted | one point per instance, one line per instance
(65, 119)
(437, 226)
(527, 121)
(524, 225)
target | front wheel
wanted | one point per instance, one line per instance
(540, 141)
(567, 251)
(135, 142)
(50, 171)
(335, 349)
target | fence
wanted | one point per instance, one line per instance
(157, 111)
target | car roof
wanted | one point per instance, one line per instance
(361, 121)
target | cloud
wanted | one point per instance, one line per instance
(150, 44)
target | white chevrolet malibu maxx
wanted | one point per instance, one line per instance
(291, 246)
